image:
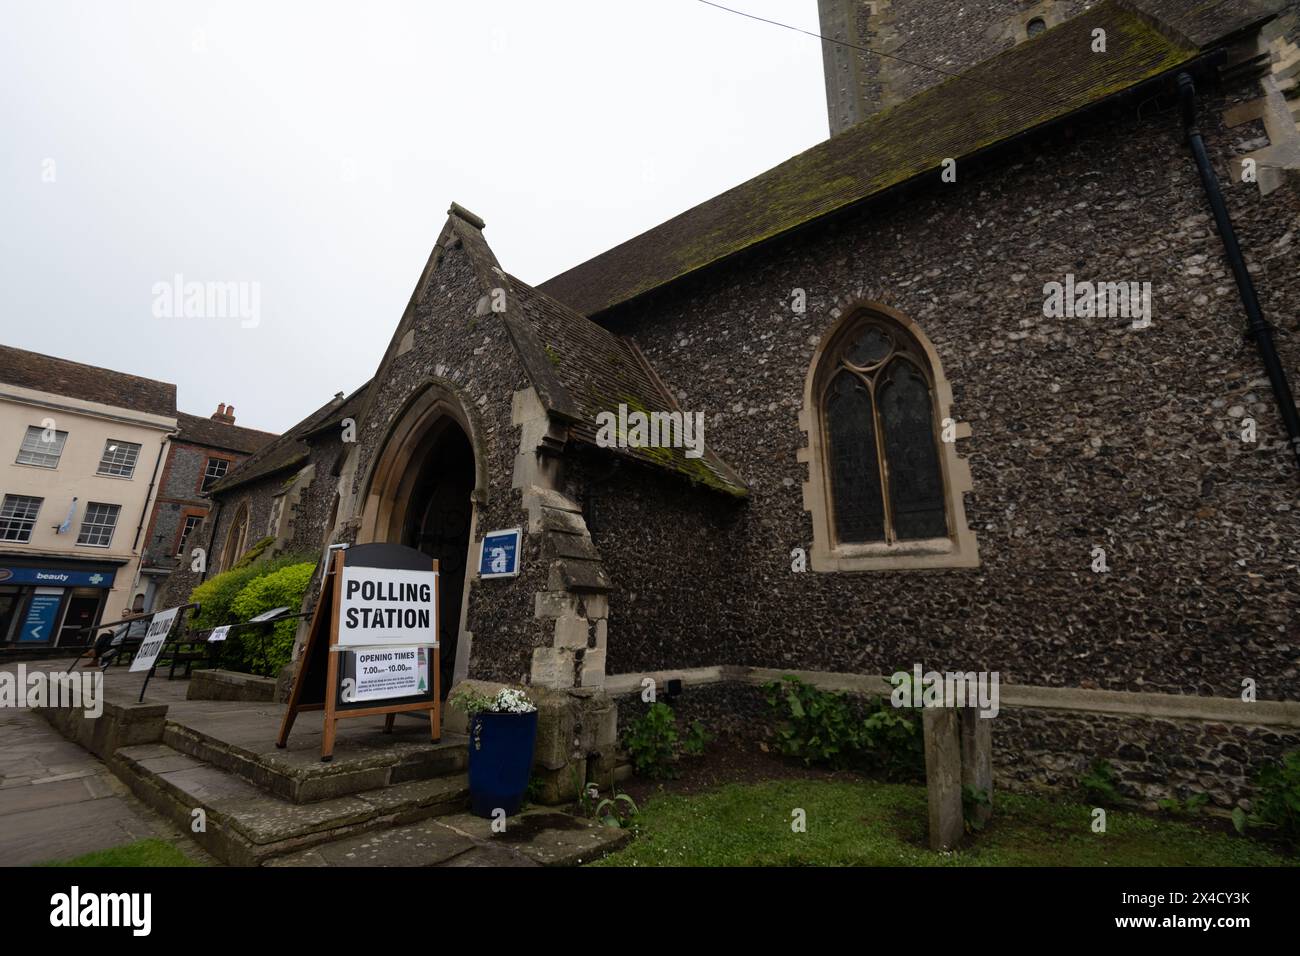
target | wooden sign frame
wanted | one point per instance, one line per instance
(323, 640)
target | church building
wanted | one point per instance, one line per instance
(983, 382)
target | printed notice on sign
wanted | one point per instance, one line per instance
(383, 672)
(154, 639)
(387, 607)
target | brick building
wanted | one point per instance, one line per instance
(911, 456)
(203, 451)
(278, 500)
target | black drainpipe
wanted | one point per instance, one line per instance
(149, 493)
(1257, 328)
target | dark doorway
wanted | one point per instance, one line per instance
(82, 615)
(437, 523)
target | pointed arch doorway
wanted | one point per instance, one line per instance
(422, 494)
(437, 523)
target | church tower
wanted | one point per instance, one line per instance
(952, 35)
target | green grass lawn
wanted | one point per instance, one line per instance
(139, 853)
(875, 824)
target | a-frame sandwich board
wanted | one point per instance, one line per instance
(323, 665)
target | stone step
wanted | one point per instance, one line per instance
(245, 826)
(419, 844)
(538, 837)
(365, 758)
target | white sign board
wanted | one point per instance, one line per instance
(383, 672)
(387, 607)
(219, 633)
(154, 639)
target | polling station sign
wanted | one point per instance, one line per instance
(387, 607)
(154, 639)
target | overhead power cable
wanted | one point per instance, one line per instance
(890, 56)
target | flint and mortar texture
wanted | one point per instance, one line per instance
(1085, 433)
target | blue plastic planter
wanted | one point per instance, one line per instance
(500, 761)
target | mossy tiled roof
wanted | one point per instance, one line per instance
(292, 449)
(1025, 87)
(597, 371)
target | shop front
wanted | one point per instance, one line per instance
(51, 602)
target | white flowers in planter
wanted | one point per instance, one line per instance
(511, 701)
(508, 700)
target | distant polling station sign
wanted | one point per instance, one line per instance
(152, 644)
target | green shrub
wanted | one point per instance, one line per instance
(651, 742)
(1277, 802)
(696, 738)
(1180, 808)
(1097, 785)
(219, 600)
(892, 741)
(215, 595)
(284, 587)
(816, 726)
(823, 727)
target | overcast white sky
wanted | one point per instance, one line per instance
(313, 148)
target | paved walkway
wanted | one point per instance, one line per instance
(59, 801)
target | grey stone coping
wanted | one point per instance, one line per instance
(1120, 703)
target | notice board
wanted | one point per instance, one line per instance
(373, 645)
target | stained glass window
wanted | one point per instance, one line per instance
(885, 474)
(915, 479)
(855, 467)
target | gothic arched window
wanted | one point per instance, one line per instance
(881, 441)
(885, 488)
(235, 538)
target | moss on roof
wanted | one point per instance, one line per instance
(597, 372)
(1022, 88)
(293, 448)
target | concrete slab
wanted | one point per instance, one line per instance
(57, 801)
(32, 797)
(491, 856)
(420, 844)
(544, 836)
(68, 830)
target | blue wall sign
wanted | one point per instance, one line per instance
(499, 556)
(42, 613)
(57, 577)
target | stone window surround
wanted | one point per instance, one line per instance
(1050, 12)
(960, 549)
